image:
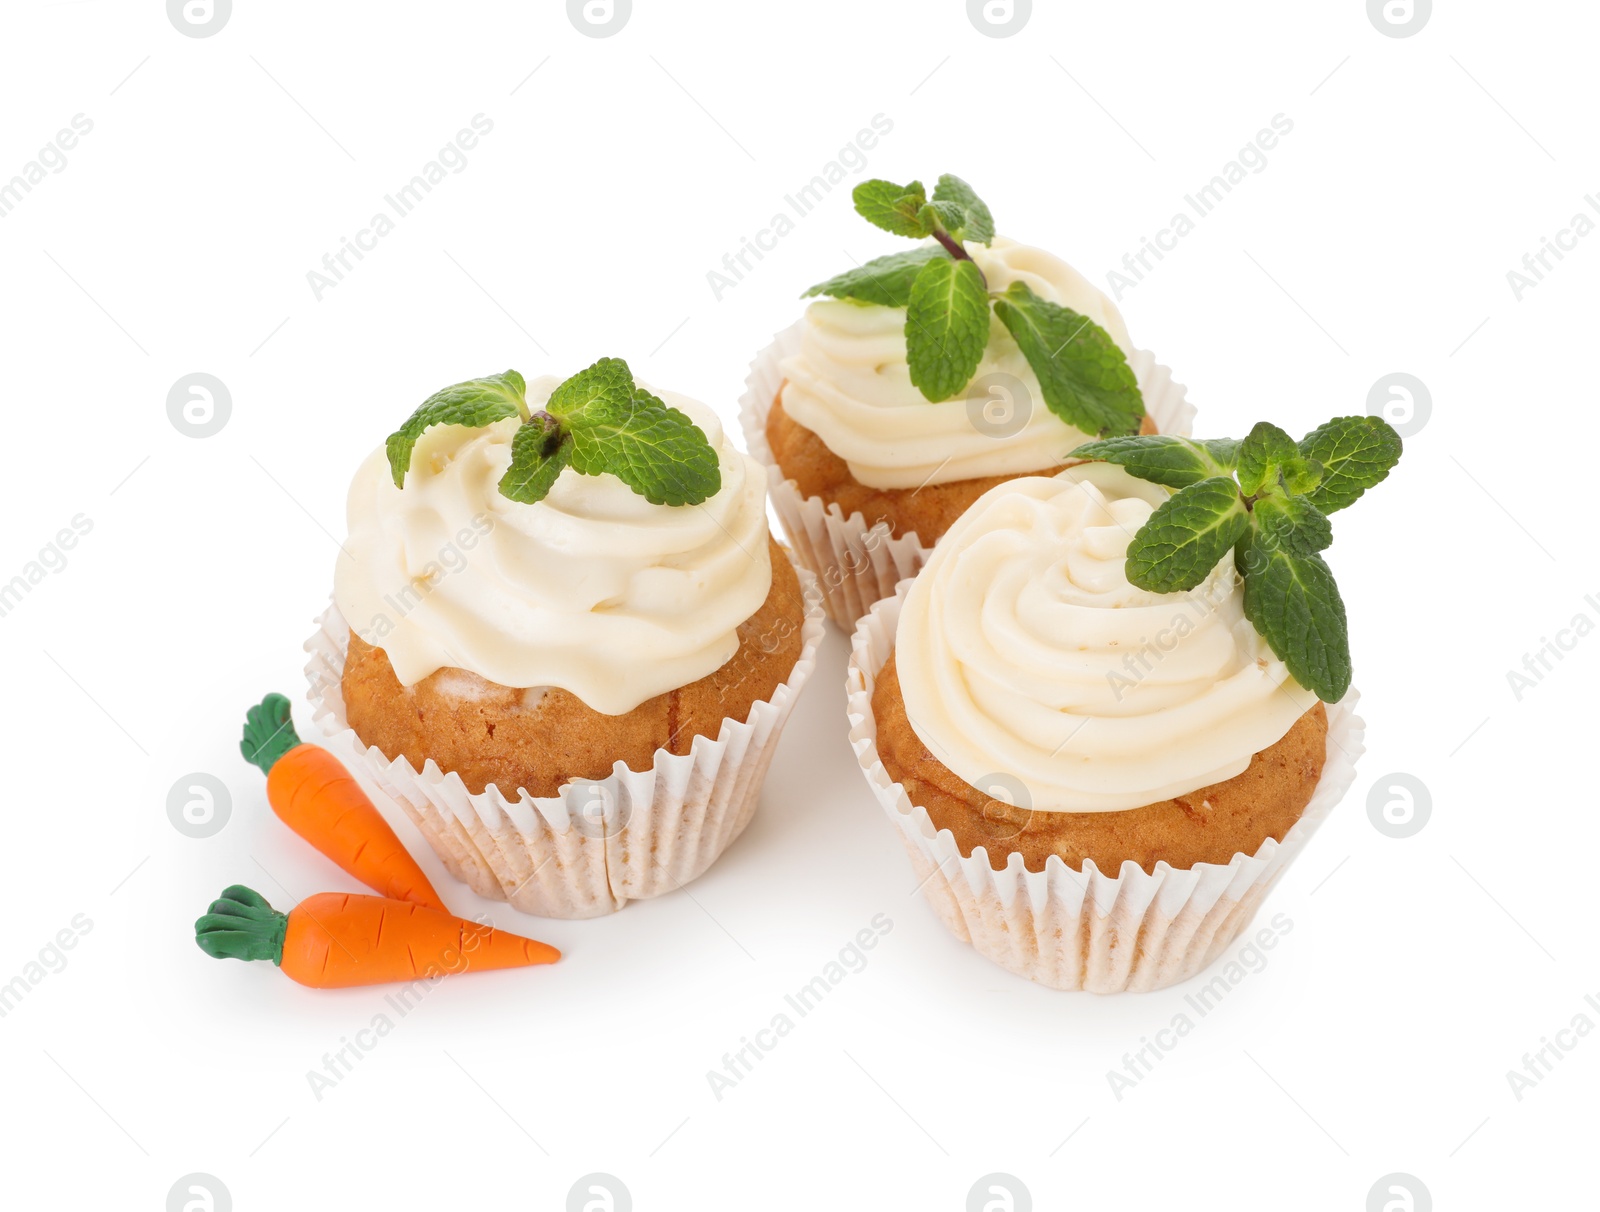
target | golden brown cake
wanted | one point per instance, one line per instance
(538, 740)
(927, 512)
(1209, 825)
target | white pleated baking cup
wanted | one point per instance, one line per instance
(1067, 929)
(599, 843)
(858, 563)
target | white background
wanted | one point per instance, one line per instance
(177, 239)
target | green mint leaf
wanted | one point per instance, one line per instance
(1086, 379)
(1183, 540)
(608, 384)
(1301, 475)
(942, 216)
(1292, 523)
(978, 223)
(1164, 458)
(540, 452)
(895, 208)
(475, 402)
(885, 281)
(651, 447)
(1293, 602)
(1223, 450)
(1262, 455)
(1355, 453)
(947, 326)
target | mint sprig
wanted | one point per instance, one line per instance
(1355, 453)
(597, 422)
(885, 281)
(1165, 458)
(1267, 497)
(1293, 602)
(540, 452)
(651, 447)
(895, 208)
(1266, 452)
(1294, 524)
(1187, 535)
(977, 223)
(947, 326)
(1085, 377)
(476, 402)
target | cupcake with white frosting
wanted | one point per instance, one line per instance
(883, 416)
(562, 637)
(1106, 714)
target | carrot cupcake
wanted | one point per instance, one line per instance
(1116, 701)
(925, 378)
(562, 638)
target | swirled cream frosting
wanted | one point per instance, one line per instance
(1023, 650)
(850, 384)
(593, 589)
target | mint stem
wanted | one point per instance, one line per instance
(551, 426)
(952, 245)
(954, 248)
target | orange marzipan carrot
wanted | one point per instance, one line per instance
(336, 940)
(313, 793)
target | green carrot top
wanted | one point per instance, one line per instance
(241, 925)
(268, 733)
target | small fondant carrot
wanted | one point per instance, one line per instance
(337, 939)
(317, 797)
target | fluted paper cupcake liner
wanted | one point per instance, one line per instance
(1130, 932)
(598, 843)
(856, 563)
